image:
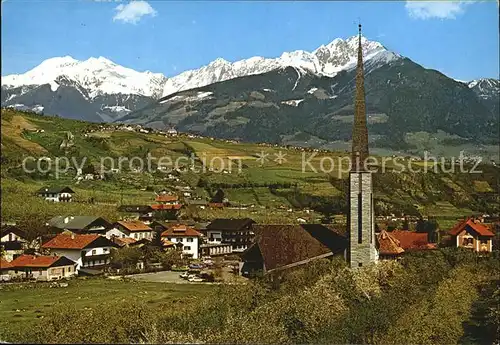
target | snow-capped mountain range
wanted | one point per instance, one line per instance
(327, 60)
(97, 75)
(98, 89)
(485, 88)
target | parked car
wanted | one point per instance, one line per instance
(184, 275)
(195, 266)
(195, 279)
(4, 277)
(180, 269)
(208, 262)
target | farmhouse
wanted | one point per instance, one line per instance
(80, 224)
(12, 241)
(472, 234)
(181, 234)
(144, 213)
(44, 267)
(56, 194)
(236, 232)
(133, 228)
(279, 247)
(6, 270)
(88, 250)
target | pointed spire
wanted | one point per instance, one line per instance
(360, 131)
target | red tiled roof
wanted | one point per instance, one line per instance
(74, 241)
(4, 264)
(409, 240)
(216, 204)
(180, 230)
(34, 261)
(479, 228)
(388, 244)
(167, 243)
(123, 241)
(166, 207)
(166, 198)
(134, 225)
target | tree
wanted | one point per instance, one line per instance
(218, 197)
(125, 258)
(171, 258)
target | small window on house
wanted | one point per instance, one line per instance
(484, 241)
(190, 240)
(360, 264)
(468, 241)
(187, 248)
(94, 252)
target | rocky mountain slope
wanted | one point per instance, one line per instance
(299, 98)
(295, 106)
(327, 60)
(96, 89)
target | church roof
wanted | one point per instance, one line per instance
(285, 245)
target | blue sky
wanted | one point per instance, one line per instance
(457, 38)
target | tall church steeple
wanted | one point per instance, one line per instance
(361, 220)
(359, 131)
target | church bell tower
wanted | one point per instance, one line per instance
(361, 220)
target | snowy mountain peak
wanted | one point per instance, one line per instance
(485, 88)
(97, 75)
(327, 60)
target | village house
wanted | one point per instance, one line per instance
(44, 268)
(12, 241)
(180, 234)
(236, 232)
(215, 249)
(143, 213)
(89, 251)
(56, 194)
(172, 132)
(397, 242)
(132, 228)
(472, 234)
(80, 224)
(6, 270)
(280, 247)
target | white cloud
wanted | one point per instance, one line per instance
(436, 9)
(133, 11)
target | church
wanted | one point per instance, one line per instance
(280, 247)
(361, 219)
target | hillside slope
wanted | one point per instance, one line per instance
(271, 185)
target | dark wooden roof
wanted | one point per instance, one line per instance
(225, 224)
(283, 245)
(54, 190)
(12, 228)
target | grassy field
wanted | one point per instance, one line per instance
(24, 305)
